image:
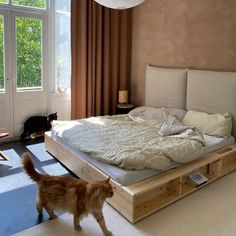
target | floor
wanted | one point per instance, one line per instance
(17, 191)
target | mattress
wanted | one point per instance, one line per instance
(128, 177)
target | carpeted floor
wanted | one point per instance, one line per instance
(210, 211)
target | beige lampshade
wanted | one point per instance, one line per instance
(119, 4)
(123, 96)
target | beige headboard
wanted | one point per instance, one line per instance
(212, 92)
(207, 91)
(165, 87)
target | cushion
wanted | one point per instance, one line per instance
(210, 124)
(212, 92)
(144, 114)
(165, 87)
(151, 113)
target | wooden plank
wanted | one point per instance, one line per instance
(154, 205)
(215, 168)
(167, 176)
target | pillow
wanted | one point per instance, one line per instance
(172, 126)
(176, 112)
(211, 124)
(144, 113)
(149, 113)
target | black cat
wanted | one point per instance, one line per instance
(37, 125)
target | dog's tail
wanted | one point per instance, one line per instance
(28, 165)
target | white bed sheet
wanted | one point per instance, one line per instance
(128, 177)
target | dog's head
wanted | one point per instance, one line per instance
(101, 190)
(109, 189)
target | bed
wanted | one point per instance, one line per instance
(206, 91)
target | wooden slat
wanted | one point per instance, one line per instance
(152, 182)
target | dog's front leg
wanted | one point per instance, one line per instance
(50, 212)
(100, 219)
(77, 223)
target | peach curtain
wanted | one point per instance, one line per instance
(101, 54)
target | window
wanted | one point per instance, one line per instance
(34, 60)
(62, 45)
(22, 28)
(28, 53)
(29, 22)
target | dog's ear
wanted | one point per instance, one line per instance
(107, 180)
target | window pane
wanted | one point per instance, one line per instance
(29, 53)
(62, 44)
(30, 3)
(4, 1)
(2, 84)
(62, 5)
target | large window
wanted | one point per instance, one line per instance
(22, 44)
(34, 62)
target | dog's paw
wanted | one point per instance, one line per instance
(109, 233)
(77, 228)
(53, 216)
(40, 214)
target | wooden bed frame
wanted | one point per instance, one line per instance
(141, 199)
(187, 90)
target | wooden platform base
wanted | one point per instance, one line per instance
(139, 200)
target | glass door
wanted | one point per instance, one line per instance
(29, 67)
(6, 95)
(23, 63)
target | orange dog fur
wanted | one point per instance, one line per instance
(69, 194)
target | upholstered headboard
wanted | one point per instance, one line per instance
(165, 87)
(207, 91)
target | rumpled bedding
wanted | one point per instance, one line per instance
(130, 142)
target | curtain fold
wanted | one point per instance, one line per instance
(101, 54)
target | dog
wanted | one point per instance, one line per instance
(69, 194)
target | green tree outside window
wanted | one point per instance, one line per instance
(30, 3)
(29, 52)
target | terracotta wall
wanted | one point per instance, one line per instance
(198, 34)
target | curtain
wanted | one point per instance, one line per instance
(101, 54)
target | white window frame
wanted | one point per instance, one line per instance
(52, 56)
(45, 46)
(49, 75)
(28, 12)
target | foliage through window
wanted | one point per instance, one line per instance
(30, 3)
(29, 52)
(28, 17)
(4, 1)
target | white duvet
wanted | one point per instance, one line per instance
(128, 143)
